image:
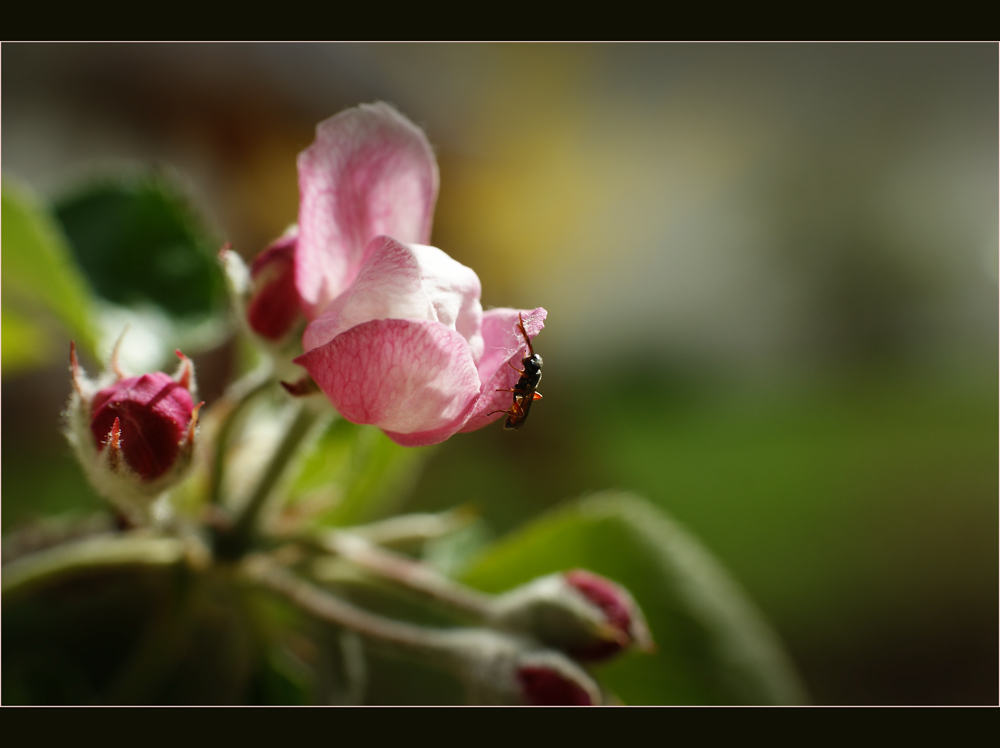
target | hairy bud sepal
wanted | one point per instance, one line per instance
(134, 436)
(583, 614)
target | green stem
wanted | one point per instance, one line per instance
(244, 527)
(408, 573)
(100, 552)
(243, 392)
(427, 644)
(414, 529)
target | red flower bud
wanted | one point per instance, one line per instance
(580, 613)
(273, 307)
(134, 436)
(542, 686)
(146, 418)
(620, 611)
(500, 668)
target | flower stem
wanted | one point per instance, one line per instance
(96, 552)
(408, 573)
(406, 638)
(239, 396)
(414, 529)
(241, 533)
(487, 662)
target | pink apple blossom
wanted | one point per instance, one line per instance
(396, 333)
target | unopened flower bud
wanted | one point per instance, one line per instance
(146, 419)
(543, 685)
(273, 306)
(500, 668)
(583, 614)
(133, 435)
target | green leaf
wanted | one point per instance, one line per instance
(358, 472)
(151, 260)
(26, 344)
(713, 645)
(141, 243)
(43, 290)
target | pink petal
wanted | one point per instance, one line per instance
(274, 306)
(370, 172)
(399, 281)
(408, 377)
(504, 344)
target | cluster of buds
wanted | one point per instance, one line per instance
(134, 436)
(530, 649)
(393, 333)
(533, 638)
(578, 617)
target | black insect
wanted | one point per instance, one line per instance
(524, 391)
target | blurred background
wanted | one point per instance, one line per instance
(771, 273)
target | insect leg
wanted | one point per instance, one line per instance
(516, 391)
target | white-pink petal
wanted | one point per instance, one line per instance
(369, 172)
(399, 281)
(453, 290)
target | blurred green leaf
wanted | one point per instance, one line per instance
(42, 288)
(151, 258)
(356, 474)
(713, 645)
(25, 342)
(141, 242)
(40, 483)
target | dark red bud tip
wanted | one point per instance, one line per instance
(302, 388)
(149, 417)
(274, 306)
(227, 246)
(542, 686)
(618, 607)
(114, 446)
(114, 440)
